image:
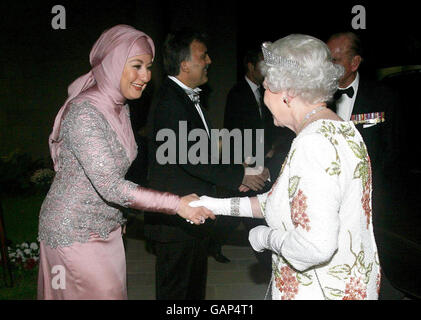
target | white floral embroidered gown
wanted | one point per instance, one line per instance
(322, 203)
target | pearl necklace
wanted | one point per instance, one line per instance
(310, 114)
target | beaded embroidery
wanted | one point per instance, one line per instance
(235, 206)
(89, 185)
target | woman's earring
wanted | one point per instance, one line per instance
(285, 100)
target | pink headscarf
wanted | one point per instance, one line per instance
(101, 85)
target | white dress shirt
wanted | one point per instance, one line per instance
(197, 105)
(255, 88)
(345, 104)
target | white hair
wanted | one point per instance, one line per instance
(312, 75)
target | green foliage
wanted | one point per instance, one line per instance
(20, 174)
(21, 222)
(24, 285)
(15, 172)
(21, 217)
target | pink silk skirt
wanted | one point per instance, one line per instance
(95, 270)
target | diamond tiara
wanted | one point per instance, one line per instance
(273, 60)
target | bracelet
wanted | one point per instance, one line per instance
(235, 206)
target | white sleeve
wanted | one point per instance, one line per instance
(262, 198)
(314, 196)
(237, 207)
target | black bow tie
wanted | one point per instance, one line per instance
(194, 95)
(349, 92)
(196, 98)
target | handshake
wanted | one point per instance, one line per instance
(194, 215)
(254, 179)
(261, 237)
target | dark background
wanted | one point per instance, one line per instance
(37, 63)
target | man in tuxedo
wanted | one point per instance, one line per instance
(245, 109)
(372, 107)
(181, 248)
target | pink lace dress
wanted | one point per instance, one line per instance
(82, 254)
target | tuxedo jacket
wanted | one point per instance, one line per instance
(242, 112)
(174, 105)
(381, 139)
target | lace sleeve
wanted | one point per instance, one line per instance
(105, 163)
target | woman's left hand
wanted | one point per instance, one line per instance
(193, 215)
(258, 238)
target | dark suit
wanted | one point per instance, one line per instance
(181, 247)
(381, 139)
(242, 112)
(383, 149)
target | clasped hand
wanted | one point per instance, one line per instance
(196, 215)
(254, 179)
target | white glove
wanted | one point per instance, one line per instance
(265, 238)
(239, 207)
(258, 237)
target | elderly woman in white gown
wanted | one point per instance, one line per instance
(319, 209)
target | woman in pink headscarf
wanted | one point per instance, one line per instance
(92, 146)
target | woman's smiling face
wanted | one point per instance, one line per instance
(136, 74)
